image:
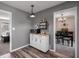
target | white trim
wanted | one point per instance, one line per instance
(51, 50)
(54, 21)
(11, 33)
(54, 33)
(75, 32)
(19, 48)
(10, 26)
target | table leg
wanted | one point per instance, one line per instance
(62, 41)
(71, 43)
(68, 42)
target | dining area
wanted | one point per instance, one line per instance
(65, 32)
(63, 37)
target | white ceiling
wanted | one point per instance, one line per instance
(38, 5)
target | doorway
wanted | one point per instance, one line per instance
(5, 31)
(65, 35)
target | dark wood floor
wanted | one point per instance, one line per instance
(30, 52)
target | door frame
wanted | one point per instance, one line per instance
(54, 22)
(9, 27)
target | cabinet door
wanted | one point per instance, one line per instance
(44, 43)
(38, 42)
(35, 39)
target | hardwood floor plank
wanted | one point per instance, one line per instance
(33, 56)
(19, 54)
(26, 55)
(30, 52)
(33, 51)
(38, 52)
(14, 55)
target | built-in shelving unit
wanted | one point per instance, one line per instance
(43, 24)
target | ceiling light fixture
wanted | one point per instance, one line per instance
(32, 15)
(62, 18)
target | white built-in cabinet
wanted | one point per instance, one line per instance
(39, 41)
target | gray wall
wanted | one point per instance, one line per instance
(48, 13)
(22, 24)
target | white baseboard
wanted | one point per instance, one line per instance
(52, 50)
(19, 48)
